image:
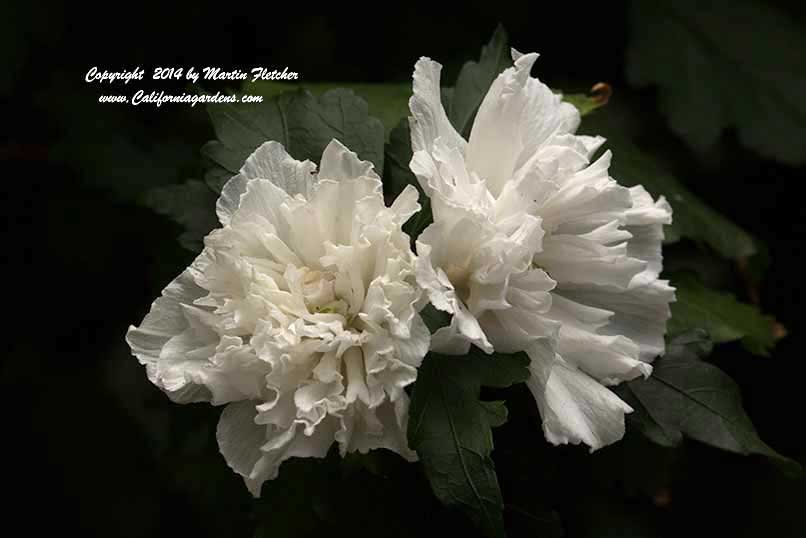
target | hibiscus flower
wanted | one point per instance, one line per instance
(299, 315)
(535, 248)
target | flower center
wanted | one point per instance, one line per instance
(460, 279)
(319, 293)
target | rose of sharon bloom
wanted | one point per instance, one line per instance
(299, 315)
(535, 248)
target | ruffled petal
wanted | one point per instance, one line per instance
(639, 313)
(464, 328)
(340, 163)
(240, 438)
(575, 407)
(645, 223)
(256, 452)
(516, 117)
(168, 324)
(429, 120)
(519, 327)
(363, 430)
(269, 161)
(580, 259)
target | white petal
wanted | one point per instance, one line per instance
(591, 143)
(238, 373)
(165, 321)
(269, 161)
(339, 163)
(575, 408)
(291, 443)
(256, 451)
(517, 115)
(644, 211)
(412, 349)
(463, 331)
(429, 121)
(406, 204)
(433, 280)
(496, 140)
(640, 313)
(366, 429)
(518, 328)
(240, 439)
(263, 199)
(586, 200)
(609, 359)
(645, 222)
(444, 177)
(340, 207)
(578, 259)
(464, 328)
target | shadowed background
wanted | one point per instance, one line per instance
(96, 449)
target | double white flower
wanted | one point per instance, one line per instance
(534, 248)
(299, 314)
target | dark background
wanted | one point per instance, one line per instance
(95, 449)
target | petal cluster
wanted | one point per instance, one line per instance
(300, 314)
(535, 248)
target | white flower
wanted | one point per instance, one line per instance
(299, 314)
(534, 248)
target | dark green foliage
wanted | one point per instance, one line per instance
(451, 430)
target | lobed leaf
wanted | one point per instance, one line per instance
(190, 204)
(302, 123)
(387, 102)
(687, 397)
(733, 64)
(451, 430)
(723, 317)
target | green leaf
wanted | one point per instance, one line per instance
(451, 430)
(693, 218)
(733, 64)
(190, 204)
(397, 174)
(387, 102)
(475, 79)
(299, 121)
(687, 397)
(724, 317)
(496, 412)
